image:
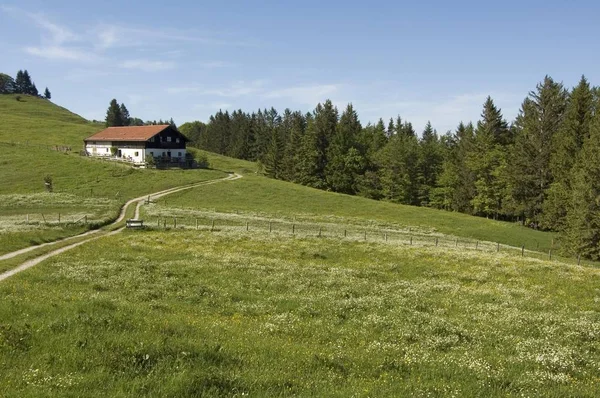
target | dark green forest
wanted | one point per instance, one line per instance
(542, 169)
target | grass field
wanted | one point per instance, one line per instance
(220, 314)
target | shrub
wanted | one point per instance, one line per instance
(202, 160)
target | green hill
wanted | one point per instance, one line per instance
(37, 121)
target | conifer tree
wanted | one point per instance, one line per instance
(488, 161)
(345, 160)
(391, 129)
(581, 234)
(272, 159)
(430, 162)
(47, 94)
(566, 144)
(297, 126)
(125, 117)
(538, 121)
(113, 114)
(397, 165)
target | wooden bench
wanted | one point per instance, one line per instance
(132, 223)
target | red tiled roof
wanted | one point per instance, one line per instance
(128, 133)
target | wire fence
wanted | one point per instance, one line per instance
(59, 148)
(406, 236)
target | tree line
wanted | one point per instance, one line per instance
(117, 115)
(21, 84)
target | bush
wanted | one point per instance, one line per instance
(202, 160)
(150, 160)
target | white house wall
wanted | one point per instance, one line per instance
(103, 149)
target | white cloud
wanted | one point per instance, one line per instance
(146, 65)
(61, 53)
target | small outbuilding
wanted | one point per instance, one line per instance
(134, 143)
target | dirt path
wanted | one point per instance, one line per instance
(139, 201)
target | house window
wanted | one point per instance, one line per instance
(137, 154)
(168, 139)
(106, 149)
(179, 154)
(151, 153)
(177, 140)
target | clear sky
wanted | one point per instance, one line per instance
(424, 60)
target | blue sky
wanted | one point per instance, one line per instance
(427, 60)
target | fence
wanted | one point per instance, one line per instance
(56, 219)
(406, 236)
(59, 148)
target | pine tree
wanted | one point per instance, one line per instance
(345, 162)
(272, 159)
(488, 161)
(125, 117)
(430, 162)
(22, 82)
(297, 126)
(538, 121)
(581, 234)
(397, 165)
(47, 94)
(566, 144)
(391, 129)
(113, 114)
(33, 90)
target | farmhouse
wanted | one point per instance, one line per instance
(133, 143)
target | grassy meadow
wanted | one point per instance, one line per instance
(186, 313)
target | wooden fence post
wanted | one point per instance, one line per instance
(523, 251)
(293, 229)
(158, 222)
(174, 222)
(59, 218)
(247, 226)
(456, 242)
(436, 242)
(411, 240)
(345, 233)
(27, 218)
(212, 226)
(270, 226)
(164, 223)
(476, 245)
(196, 223)
(550, 254)
(385, 236)
(365, 235)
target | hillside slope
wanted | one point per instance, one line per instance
(41, 122)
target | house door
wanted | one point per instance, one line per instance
(119, 153)
(169, 155)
